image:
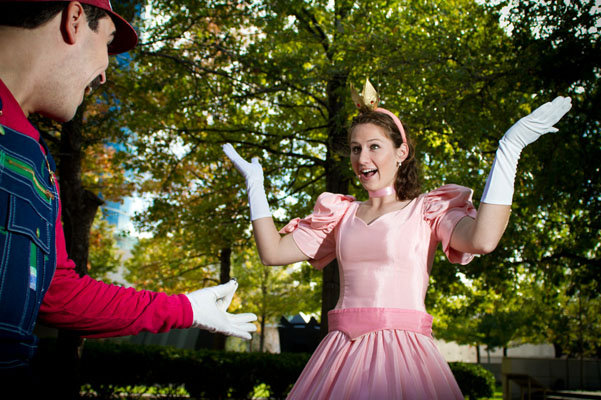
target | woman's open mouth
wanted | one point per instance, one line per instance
(368, 173)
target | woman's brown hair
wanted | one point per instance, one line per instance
(407, 183)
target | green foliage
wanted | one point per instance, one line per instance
(541, 283)
(549, 255)
(103, 256)
(106, 366)
(204, 374)
(567, 316)
(169, 264)
(479, 315)
(474, 380)
(272, 78)
(271, 292)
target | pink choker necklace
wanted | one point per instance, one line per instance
(382, 192)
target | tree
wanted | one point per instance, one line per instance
(476, 313)
(549, 254)
(103, 252)
(272, 78)
(165, 263)
(274, 292)
(558, 226)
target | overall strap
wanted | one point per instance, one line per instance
(51, 163)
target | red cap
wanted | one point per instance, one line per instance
(126, 37)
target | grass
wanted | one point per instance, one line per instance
(136, 392)
(178, 392)
(498, 394)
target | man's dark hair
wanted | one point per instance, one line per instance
(30, 15)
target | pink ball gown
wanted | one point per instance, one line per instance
(379, 344)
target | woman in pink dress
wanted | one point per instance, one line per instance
(379, 344)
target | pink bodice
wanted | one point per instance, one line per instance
(386, 263)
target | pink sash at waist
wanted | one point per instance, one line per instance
(356, 322)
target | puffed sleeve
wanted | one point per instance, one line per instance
(443, 208)
(314, 234)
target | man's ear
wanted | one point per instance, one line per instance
(73, 21)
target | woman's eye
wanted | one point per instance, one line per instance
(374, 147)
(355, 150)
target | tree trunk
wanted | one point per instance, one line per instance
(478, 357)
(558, 350)
(225, 257)
(262, 336)
(337, 181)
(79, 206)
(263, 316)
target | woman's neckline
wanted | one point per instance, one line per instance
(381, 215)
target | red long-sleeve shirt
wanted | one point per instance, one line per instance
(85, 304)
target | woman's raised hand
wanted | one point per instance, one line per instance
(253, 174)
(499, 185)
(252, 171)
(540, 121)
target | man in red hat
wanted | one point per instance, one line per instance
(51, 55)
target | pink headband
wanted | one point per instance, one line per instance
(369, 98)
(396, 121)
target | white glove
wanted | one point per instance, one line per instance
(253, 173)
(499, 185)
(209, 307)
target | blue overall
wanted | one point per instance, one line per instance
(28, 212)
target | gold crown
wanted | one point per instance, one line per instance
(368, 98)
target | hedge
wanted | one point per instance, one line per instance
(474, 380)
(208, 374)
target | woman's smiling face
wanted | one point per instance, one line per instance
(374, 158)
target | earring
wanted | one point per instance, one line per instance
(398, 164)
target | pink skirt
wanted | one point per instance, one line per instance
(391, 355)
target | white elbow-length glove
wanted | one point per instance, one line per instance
(499, 185)
(209, 306)
(253, 173)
